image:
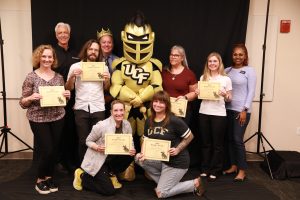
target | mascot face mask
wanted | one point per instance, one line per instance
(137, 43)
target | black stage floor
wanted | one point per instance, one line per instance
(17, 182)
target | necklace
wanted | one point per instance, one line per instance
(174, 76)
(176, 71)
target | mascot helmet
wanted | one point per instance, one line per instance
(138, 40)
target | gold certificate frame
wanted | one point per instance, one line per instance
(92, 71)
(209, 90)
(179, 106)
(155, 149)
(52, 96)
(118, 144)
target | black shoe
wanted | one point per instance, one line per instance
(42, 188)
(51, 185)
(211, 178)
(239, 179)
(199, 191)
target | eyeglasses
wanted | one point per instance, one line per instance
(175, 55)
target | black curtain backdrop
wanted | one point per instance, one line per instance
(199, 26)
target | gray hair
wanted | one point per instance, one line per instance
(62, 24)
(182, 52)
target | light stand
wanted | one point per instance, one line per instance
(5, 130)
(260, 136)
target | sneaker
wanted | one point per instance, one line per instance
(51, 185)
(199, 191)
(115, 182)
(203, 174)
(42, 187)
(77, 183)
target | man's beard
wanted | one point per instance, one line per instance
(92, 57)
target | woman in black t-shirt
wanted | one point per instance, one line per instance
(163, 125)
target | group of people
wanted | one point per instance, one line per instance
(92, 111)
(222, 120)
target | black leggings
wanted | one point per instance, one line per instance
(101, 182)
(47, 137)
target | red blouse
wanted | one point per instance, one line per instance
(178, 85)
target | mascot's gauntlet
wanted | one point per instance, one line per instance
(146, 93)
(126, 94)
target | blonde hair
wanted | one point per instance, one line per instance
(207, 72)
(37, 54)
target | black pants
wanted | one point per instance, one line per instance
(47, 136)
(84, 124)
(101, 182)
(213, 130)
(68, 154)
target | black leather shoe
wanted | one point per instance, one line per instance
(239, 179)
(211, 178)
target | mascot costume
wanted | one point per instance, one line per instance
(136, 77)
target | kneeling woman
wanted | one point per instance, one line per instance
(165, 126)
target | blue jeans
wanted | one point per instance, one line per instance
(167, 178)
(236, 132)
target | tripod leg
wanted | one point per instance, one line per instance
(267, 142)
(250, 137)
(2, 142)
(21, 140)
(266, 157)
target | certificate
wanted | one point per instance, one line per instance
(118, 144)
(178, 107)
(209, 90)
(52, 96)
(92, 71)
(155, 149)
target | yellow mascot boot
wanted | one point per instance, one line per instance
(128, 174)
(115, 182)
